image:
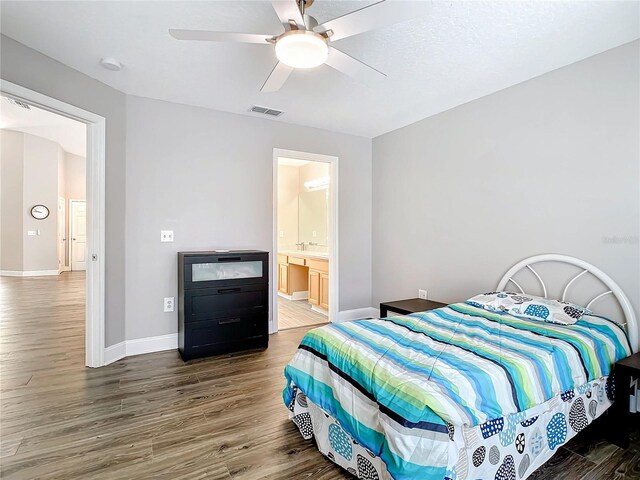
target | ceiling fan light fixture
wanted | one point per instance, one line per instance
(302, 49)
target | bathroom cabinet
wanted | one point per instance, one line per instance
(319, 283)
(303, 276)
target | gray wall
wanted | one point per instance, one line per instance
(40, 187)
(31, 69)
(29, 163)
(207, 175)
(549, 165)
(11, 177)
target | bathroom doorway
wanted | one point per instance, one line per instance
(304, 218)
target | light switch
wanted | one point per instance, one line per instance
(281, 233)
(314, 234)
(32, 233)
(166, 235)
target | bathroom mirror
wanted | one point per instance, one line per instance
(312, 217)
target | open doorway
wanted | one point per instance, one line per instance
(43, 170)
(304, 244)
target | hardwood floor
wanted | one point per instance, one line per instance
(298, 313)
(153, 416)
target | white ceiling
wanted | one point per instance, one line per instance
(69, 134)
(456, 52)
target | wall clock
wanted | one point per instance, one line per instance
(39, 212)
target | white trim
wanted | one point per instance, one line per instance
(334, 271)
(115, 352)
(300, 295)
(28, 273)
(96, 134)
(295, 296)
(140, 346)
(625, 304)
(356, 313)
(160, 343)
(319, 310)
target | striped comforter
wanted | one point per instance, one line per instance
(398, 385)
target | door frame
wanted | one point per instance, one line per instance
(95, 198)
(71, 202)
(62, 267)
(334, 271)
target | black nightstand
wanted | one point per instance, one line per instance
(623, 371)
(411, 305)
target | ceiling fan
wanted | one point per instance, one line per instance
(305, 44)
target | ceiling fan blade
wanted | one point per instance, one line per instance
(372, 17)
(209, 36)
(277, 77)
(354, 68)
(288, 10)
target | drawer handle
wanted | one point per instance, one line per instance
(229, 259)
(229, 290)
(229, 321)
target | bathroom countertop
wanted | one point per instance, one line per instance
(305, 254)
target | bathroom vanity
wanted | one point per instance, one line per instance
(305, 275)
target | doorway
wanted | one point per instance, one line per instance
(305, 274)
(92, 283)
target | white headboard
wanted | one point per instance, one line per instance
(612, 287)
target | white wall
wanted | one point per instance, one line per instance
(288, 179)
(549, 165)
(207, 175)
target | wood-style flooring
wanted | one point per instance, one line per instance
(297, 313)
(153, 416)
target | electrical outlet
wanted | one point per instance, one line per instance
(166, 235)
(168, 304)
(422, 294)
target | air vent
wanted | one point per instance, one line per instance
(266, 111)
(18, 103)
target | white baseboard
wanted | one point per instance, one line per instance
(152, 344)
(28, 273)
(115, 352)
(357, 313)
(295, 296)
(319, 310)
(139, 346)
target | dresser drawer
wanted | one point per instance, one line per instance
(225, 330)
(213, 303)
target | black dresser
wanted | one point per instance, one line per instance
(223, 302)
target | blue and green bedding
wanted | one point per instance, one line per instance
(400, 386)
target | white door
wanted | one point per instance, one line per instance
(78, 229)
(62, 240)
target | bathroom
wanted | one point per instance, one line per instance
(303, 239)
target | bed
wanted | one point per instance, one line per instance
(459, 392)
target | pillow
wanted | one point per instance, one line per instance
(530, 306)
